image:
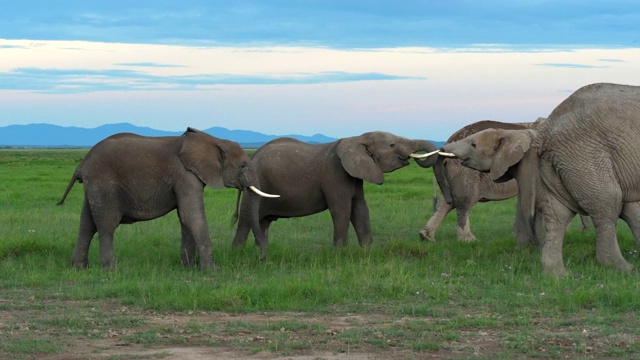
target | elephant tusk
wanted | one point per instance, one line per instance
(262, 193)
(447, 154)
(422, 156)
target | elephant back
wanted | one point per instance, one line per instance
(483, 125)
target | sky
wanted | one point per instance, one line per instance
(416, 68)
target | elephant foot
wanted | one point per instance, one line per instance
(619, 264)
(108, 265)
(239, 243)
(552, 264)
(188, 262)
(79, 265)
(467, 237)
(209, 267)
(555, 271)
(427, 235)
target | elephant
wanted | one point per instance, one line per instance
(582, 160)
(314, 177)
(129, 178)
(462, 188)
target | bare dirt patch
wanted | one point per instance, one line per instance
(73, 330)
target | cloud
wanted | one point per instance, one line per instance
(150, 64)
(80, 80)
(572, 66)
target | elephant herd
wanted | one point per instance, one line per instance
(584, 158)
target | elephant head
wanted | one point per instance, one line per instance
(372, 154)
(493, 151)
(217, 162)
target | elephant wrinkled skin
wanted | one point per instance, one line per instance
(583, 159)
(129, 178)
(312, 178)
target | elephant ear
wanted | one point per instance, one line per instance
(201, 155)
(357, 160)
(510, 146)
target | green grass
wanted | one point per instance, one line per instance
(447, 292)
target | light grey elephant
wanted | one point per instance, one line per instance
(583, 159)
(129, 178)
(462, 187)
(312, 178)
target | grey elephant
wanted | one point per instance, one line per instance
(583, 159)
(314, 177)
(129, 178)
(461, 188)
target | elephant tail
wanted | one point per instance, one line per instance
(234, 218)
(74, 178)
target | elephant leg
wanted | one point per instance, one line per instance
(80, 257)
(557, 218)
(188, 247)
(361, 222)
(106, 222)
(264, 230)
(607, 248)
(341, 218)
(631, 215)
(192, 215)
(463, 231)
(428, 232)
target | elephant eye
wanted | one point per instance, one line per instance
(473, 144)
(392, 145)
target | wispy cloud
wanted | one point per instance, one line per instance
(79, 80)
(151, 65)
(612, 60)
(572, 66)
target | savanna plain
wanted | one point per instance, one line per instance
(399, 298)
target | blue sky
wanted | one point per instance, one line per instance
(420, 69)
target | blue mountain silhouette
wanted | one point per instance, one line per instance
(47, 135)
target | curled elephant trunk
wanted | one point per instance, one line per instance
(262, 193)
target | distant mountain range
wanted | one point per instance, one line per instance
(47, 135)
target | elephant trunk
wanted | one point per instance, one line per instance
(441, 178)
(248, 180)
(423, 145)
(254, 211)
(526, 175)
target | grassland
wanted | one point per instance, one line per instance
(401, 297)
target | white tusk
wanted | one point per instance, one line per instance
(422, 156)
(261, 193)
(447, 154)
